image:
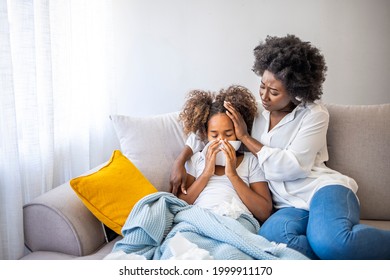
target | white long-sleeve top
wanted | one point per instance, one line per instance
(294, 154)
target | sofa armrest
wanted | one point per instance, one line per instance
(58, 221)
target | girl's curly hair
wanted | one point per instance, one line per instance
(298, 65)
(200, 106)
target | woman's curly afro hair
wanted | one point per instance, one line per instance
(298, 65)
(200, 106)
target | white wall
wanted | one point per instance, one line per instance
(165, 48)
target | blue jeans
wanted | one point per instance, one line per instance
(331, 229)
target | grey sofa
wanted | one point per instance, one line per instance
(58, 226)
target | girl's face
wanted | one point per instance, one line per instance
(273, 93)
(220, 126)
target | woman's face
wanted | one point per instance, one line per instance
(220, 126)
(273, 93)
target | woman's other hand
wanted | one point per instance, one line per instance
(178, 177)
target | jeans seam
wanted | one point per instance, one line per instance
(285, 226)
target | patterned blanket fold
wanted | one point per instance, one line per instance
(156, 219)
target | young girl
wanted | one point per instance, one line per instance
(239, 186)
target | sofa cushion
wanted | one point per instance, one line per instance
(358, 145)
(99, 254)
(111, 192)
(152, 143)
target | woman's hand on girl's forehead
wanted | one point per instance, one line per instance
(228, 106)
(240, 127)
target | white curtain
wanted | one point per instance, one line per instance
(56, 80)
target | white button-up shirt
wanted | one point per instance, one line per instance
(294, 154)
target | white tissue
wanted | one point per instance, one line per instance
(182, 249)
(232, 209)
(221, 158)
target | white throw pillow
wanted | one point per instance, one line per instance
(151, 143)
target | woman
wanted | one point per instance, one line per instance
(317, 210)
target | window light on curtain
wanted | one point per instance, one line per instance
(56, 77)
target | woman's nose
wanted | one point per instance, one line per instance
(265, 95)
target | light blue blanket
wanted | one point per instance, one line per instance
(156, 218)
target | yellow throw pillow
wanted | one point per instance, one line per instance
(111, 192)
